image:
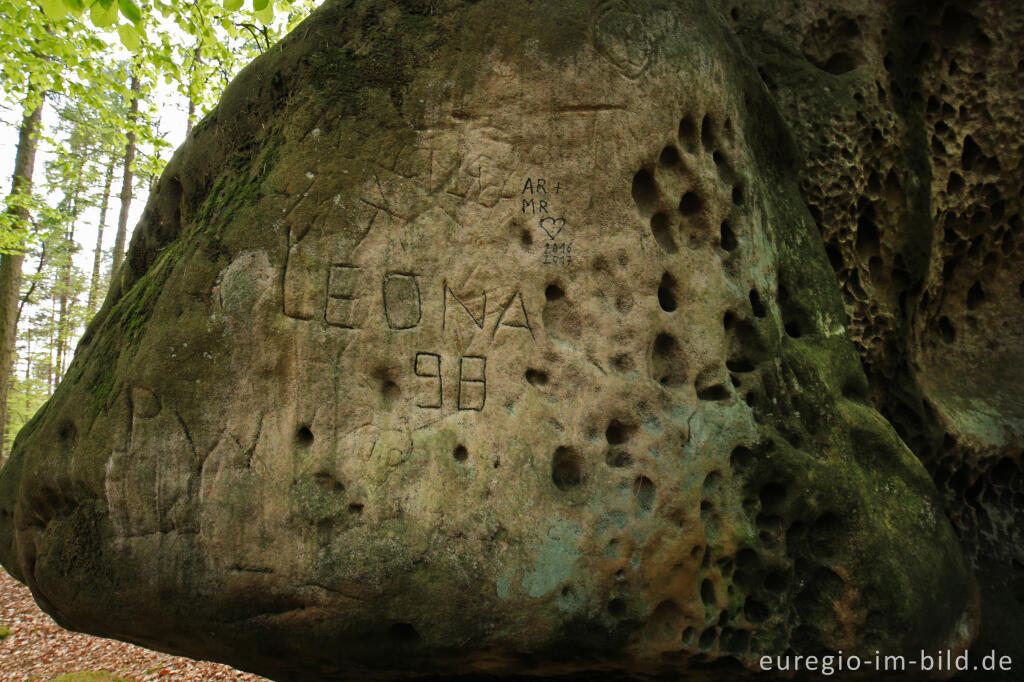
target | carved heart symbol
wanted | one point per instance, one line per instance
(552, 226)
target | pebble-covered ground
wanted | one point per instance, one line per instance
(38, 649)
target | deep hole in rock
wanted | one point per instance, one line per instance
(747, 559)
(617, 607)
(644, 492)
(835, 257)
(303, 436)
(738, 195)
(667, 293)
(618, 433)
(840, 63)
(947, 329)
(742, 459)
(691, 204)
(712, 483)
(755, 611)
(645, 192)
(667, 364)
(669, 156)
(707, 639)
(355, 508)
(727, 239)
(536, 377)
(661, 228)
(736, 641)
(773, 496)
(707, 592)
(867, 236)
(776, 581)
(971, 154)
(688, 133)
(460, 453)
(567, 468)
(729, 320)
(713, 393)
(618, 458)
(975, 296)
(559, 314)
(756, 304)
(793, 329)
(954, 183)
(688, 635)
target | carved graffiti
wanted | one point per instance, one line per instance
(403, 308)
(340, 308)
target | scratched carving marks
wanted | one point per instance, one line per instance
(620, 35)
(461, 355)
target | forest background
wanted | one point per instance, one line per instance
(95, 96)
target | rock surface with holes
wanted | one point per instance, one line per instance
(912, 136)
(491, 338)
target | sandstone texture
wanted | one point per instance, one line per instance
(910, 119)
(506, 338)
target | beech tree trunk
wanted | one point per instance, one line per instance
(97, 258)
(126, 183)
(11, 264)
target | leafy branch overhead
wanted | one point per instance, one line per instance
(108, 14)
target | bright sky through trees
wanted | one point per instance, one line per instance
(103, 69)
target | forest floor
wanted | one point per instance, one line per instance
(39, 650)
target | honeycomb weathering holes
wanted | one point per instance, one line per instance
(667, 362)
(661, 228)
(303, 436)
(567, 468)
(667, 293)
(645, 192)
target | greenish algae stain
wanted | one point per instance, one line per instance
(556, 559)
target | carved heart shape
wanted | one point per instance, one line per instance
(552, 226)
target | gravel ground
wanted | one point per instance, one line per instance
(38, 649)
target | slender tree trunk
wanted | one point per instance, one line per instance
(126, 183)
(27, 296)
(50, 347)
(63, 332)
(63, 324)
(10, 264)
(196, 61)
(97, 258)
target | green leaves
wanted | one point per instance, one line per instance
(265, 15)
(233, 5)
(129, 37)
(130, 11)
(103, 15)
(54, 10)
(259, 5)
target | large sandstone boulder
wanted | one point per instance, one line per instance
(486, 337)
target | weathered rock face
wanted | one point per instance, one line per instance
(911, 119)
(486, 337)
